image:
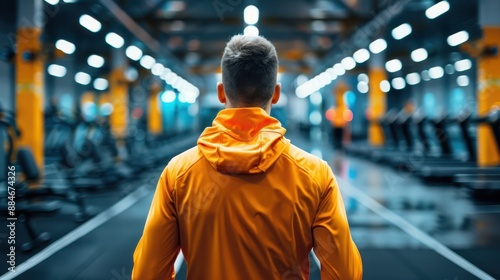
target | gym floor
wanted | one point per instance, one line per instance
(404, 229)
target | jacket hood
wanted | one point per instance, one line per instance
(243, 141)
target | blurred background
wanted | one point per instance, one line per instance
(400, 97)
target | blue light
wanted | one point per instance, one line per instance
(457, 101)
(89, 111)
(350, 98)
(106, 109)
(429, 104)
(168, 96)
(66, 105)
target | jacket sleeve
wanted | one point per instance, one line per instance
(338, 255)
(159, 245)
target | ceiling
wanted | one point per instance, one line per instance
(192, 33)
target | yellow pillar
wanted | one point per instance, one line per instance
(488, 81)
(376, 101)
(340, 105)
(119, 96)
(154, 113)
(488, 97)
(30, 79)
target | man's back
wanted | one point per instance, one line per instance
(246, 204)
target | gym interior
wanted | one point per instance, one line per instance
(400, 97)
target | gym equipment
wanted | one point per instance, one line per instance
(424, 158)
(432, 173)
(25, 210)
(482, 183)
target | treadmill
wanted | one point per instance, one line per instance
(392, 124)
(433, 173)
(484, 183)
(428, 158)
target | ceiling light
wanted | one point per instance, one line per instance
(131, 74)
(401, 31)
(385, 86)
(363, 78)
(463, 80)
(157, 69)
(251, 31)
(95, 61)
(438, 9)
(316, 98)
(339, 69)
(56, 70)
(361, 55)
(378, 46)
(65, 46)
(393, 65)
(419, 55)
(301, 79)
(82, 78)
(458, 38)
(425, 75)
(348, 63)
(251, 14)
(114, 40)
(147, 62)
(413, 79)
(363, 87)
(449, 69)
(133, 52)
(436, 72)
(331, 73)
(315, 118)
(168, 96)
(101, 84)
(90, 23)
(398, 83)
(463, 65)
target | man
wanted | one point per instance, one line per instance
(245, 203)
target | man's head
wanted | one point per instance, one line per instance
(249, 72)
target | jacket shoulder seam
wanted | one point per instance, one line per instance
(313, 178)
(183, 172)
(188, 168)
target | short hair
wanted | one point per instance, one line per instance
(249, 70)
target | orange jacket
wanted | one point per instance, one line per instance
(246, 204)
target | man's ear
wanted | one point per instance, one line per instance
(277, 93)
(220, 93)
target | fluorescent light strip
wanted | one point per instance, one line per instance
(419, 55)
(82, 78)
(57, 70)
(90, 23)
(65, 46)
(401, 31)
(251, 14)
(115, 40)
(458, 38)
(437, 10)
(378, 46)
